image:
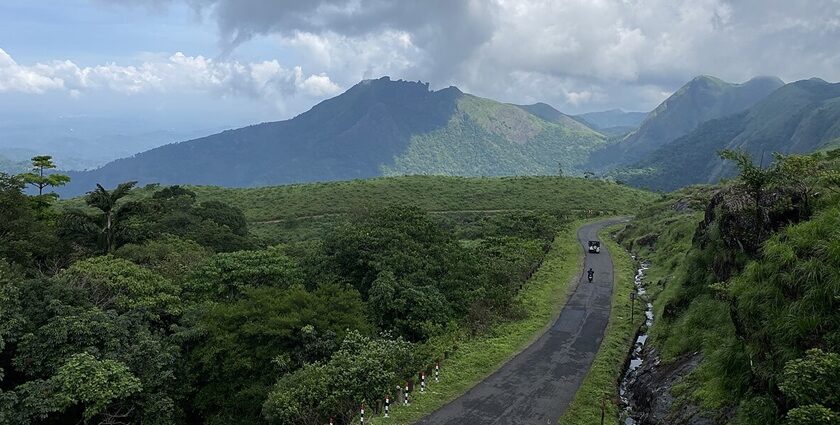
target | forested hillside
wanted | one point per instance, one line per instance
(702, 99)
(159, 305)
(377, 127)
(801, 117)
(747, 283)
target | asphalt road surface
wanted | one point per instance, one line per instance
(536, 386)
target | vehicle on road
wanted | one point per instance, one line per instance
(590, 274)
(594, 247)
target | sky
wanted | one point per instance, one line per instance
(189, 64)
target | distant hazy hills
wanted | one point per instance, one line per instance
(800, 117)
(378, 127)
(613, 122)
(9, 166)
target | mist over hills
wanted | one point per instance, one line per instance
(377, 127)
(614, 122)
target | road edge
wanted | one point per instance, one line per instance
(605, 372)
(569, 269)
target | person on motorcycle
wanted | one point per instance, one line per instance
(590, 274)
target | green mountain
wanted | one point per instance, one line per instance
(377, 127)
(702, 99)
(800, 117)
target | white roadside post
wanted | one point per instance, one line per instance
(405, 395)
(362, 415)
(422, 381)
(387, 405)
(437, 372)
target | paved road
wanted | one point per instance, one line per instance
(536, 386)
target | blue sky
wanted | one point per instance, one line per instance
(191, 64)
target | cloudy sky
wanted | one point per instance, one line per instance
(194, 63)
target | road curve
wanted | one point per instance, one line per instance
(536, 386)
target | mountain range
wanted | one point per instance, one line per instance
(800, 117)
(701, 99)
(384, 127)
(377, 127)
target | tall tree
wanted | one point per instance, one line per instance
(39, 179)
(106, 201)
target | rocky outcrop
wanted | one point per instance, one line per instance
(650, 397)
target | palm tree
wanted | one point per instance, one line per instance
(106, 201)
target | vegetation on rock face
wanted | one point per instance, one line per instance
(755, 290)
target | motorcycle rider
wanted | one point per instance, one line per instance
(590, 274)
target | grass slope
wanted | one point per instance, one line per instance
(488, 138)
(430, 193)
(601, 382)
(542, 298)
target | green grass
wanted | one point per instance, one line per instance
(298, 212)
(601, 383)
(430, 193)
(542, 298)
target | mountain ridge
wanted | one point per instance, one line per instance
(702, 99)
(377, 127)
(798, 118)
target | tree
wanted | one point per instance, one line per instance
(26, 239)
(253, 340)
(37, 177)
(96, 385)
(226, 276)
(106, 202)
(113, 283)
(756, 180)
(361, 371)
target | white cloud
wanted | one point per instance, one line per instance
(575, 54)
(14, 77)
(174, 74)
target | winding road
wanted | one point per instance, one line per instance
(536, 386)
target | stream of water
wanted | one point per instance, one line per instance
(636, 357)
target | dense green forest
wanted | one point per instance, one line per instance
(748, 285)
(159, 305)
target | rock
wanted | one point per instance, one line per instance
(650, 398)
